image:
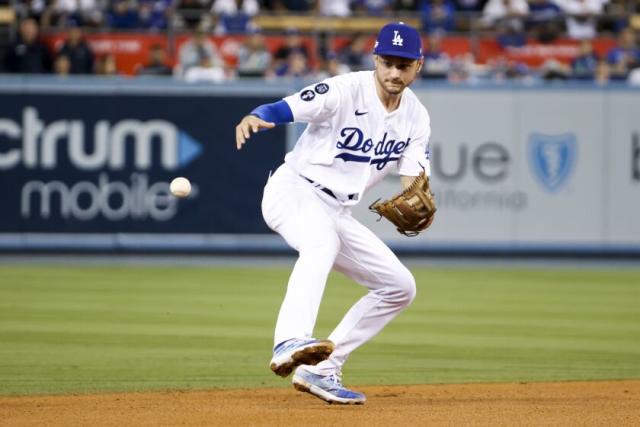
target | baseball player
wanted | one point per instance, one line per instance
(361, 126)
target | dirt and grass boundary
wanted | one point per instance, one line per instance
(598, 403)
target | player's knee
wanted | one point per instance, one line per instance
(409, 288)
(405, 287)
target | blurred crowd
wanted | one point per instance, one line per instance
(579, 18)
(512, 22)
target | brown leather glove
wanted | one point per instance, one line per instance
(410, 211)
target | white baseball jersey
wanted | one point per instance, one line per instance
(351, 141)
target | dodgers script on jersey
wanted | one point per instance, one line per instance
(351, 141)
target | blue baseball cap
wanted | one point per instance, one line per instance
(399, 39)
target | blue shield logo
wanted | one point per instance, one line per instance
(552, 158)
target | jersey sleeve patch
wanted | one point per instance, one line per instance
(321, 88)
(307, 95)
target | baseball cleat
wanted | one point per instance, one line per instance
(326, 387)
(290, 354)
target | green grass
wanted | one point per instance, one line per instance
(84, 329)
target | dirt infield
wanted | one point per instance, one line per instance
(611, 403)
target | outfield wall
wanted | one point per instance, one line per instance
(85, 164)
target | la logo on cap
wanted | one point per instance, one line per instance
(397, 40)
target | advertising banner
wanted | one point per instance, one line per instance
(548, 169)
(88, 163)
(622, 169)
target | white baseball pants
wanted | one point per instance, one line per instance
(326, 236)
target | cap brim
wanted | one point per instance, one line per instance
(399, 53)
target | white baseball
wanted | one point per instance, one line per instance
(180, 187)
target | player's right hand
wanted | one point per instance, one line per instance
(247, 125)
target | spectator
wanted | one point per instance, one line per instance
(28, 54)
(157, 65)
(603, 73)
(516, 70)
(436, 61)
(62, 65)
(503, 69)
(584, 65)
(543, 10)
(339, 8)
(77, 52)
(437, 16)
(373, 7)
(470, 6)
(154, 14)
(626, 55)
(581, 17)
(461, 69)
(289, 5)
(507, 18)
(406, 5)
(292, 44)
(552, 69)
(195, 49)
(356, 54)
(77, 12)
(617, 15)
(295, 67)
(35, 9)
(107, 66)
(510, 11)
(193, 13)
(205, 71)
(467, 12)
(634, 77)
(330, 67)
(234, 16)
(544, 20)
(254, 59)
(122, 16)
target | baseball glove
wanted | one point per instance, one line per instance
(410, 211)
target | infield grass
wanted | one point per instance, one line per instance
(85, 329)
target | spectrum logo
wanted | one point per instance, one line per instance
(37, 143)
(124, 145)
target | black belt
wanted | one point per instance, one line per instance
(329, 192)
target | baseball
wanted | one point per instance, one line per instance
(180, 187)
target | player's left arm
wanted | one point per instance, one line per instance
(415, 158)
